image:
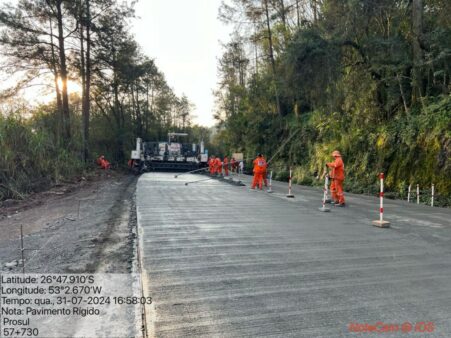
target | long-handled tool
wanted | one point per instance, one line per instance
(205, 179)
(190, 172)
(283, 145)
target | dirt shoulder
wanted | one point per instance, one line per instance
(86, 226)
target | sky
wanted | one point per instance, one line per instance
(183, 36)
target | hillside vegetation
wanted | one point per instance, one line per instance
(369, 78)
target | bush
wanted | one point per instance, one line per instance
(30, 158)
(282, 175)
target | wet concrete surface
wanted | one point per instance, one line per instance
(224, 261)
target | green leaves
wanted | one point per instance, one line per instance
(348, 82)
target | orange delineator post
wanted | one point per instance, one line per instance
(270, 182)
(381, 223)
(432, 194)
(326, 185)
(290, 195)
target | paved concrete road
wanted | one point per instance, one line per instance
(223, 261)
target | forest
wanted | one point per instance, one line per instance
(370, 78)
(123, 94)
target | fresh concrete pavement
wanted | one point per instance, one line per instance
(223, 261)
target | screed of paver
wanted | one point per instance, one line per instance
(222, 261)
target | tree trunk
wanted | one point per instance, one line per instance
(298, 21)
(271, 56)
(417, 29)
(139, 122)
(146, 117)
(62, 55)
(315, 11)
(59, 104)
(83, 85)
(406, 108)
(87, 86)
(283, 14)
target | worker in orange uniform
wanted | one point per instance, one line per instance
(265, 173)
(103, 163)
(225, 163)
(218, 166)
(211, 165)
(259, 169)
(233, 165)
(338, 176)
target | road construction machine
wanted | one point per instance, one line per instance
(168, 156)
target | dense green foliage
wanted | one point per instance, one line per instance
(30, 158)
(369, 78)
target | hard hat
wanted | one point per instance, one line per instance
(336, 153)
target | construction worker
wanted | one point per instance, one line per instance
(211, 165)
(226, 166)
(338, 176)
(218, 166)
(103, 163)
(233, 165)
(265, 173)
(259, 169)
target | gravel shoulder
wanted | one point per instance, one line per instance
(82, 227)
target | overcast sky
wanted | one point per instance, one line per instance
(183, 36)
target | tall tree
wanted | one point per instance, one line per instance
(417, 31)
(271, 57)
(85, 71)
(29, 36)
(56, 6)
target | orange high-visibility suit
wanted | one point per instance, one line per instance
(103, 163)
(338, 176)
(226, 166)
(259, 169)
(211, 165)
(218, 166)
(233, 165)
(333, 189)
